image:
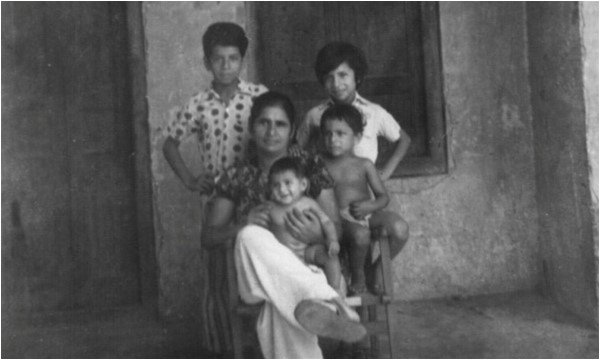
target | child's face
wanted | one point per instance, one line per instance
(340, 84)
(287, 187)
(339, 138)
(225, 63)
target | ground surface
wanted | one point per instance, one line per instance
(521, 325)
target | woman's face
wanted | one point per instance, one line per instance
(272, 130)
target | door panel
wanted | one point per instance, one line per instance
(67, 155)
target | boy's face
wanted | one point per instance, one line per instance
(339, 138)
(340, 84)
(225, 63)
(287, 187)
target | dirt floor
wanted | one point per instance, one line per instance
(519, 325)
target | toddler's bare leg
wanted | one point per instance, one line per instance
(359, 238)
(396, 227)
(317, 254)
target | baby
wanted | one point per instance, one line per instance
(288, 183)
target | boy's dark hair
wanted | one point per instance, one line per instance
(287, 163)
(268, 99)
(334, 54)
(224, 34)
(347, 113)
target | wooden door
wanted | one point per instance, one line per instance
(390, 34)
(68, 210)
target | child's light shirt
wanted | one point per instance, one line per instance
(222, 131)
(378, 122)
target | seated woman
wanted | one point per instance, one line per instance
(299, 305)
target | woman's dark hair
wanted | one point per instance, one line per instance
(269, 99)
(334, 54)
(287, 163)
(344, 112)
(224, 34)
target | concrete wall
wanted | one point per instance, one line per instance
(562, 173)
(589, 34)
(473, 230)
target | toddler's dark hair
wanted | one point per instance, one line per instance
(347, 113)
(334, 54)
(224, 34)
(287, 163)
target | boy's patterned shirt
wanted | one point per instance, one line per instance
(222, 131)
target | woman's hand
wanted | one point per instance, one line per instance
(259, 215)
(304, 225)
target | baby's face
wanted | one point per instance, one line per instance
(287, 187)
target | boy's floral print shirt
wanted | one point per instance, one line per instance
(222, 131)
(246, 187)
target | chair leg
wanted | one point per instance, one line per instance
(388, 288)
(375, 348)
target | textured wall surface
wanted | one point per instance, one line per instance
(562, 173)
(474, 230)
(175, 72)
(589, 34)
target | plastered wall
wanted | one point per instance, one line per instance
(562, 143)
(589, 34)
(474, 229)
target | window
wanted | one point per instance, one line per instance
(401, 42)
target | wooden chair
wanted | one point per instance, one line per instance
(375, 310)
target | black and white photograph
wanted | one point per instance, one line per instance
(299, 179)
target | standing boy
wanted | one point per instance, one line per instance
(341, 67)
(218, 115)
